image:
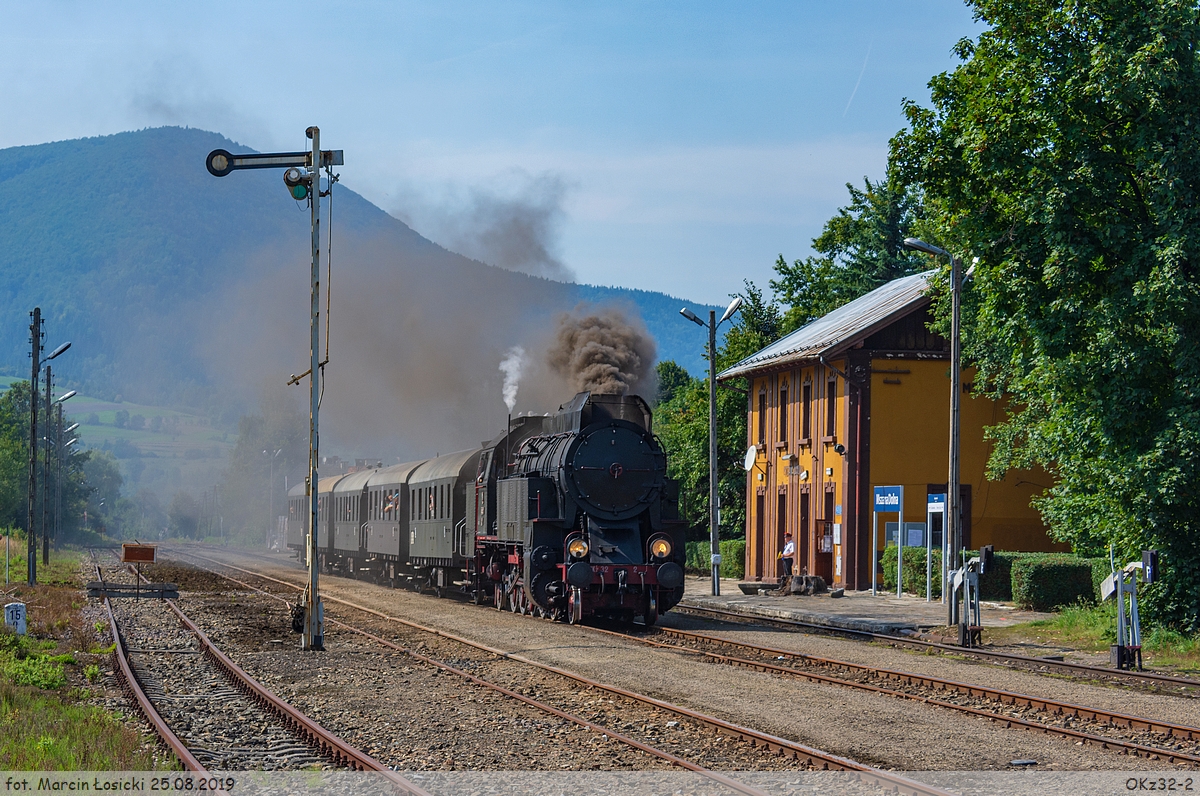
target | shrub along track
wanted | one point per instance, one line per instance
(185, 686)
(1144, 737)
(638, 720)
(1151, 681)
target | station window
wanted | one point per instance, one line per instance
(831, 409)
(781, 523)
(762, 418)
(802, 532)
(806, 411)
(783, 414)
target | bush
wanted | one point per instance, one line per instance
(914, 570)
(733, 558)
(1049, 581)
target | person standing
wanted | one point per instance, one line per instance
(788, 554)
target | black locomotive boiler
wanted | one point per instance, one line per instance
(567, 515)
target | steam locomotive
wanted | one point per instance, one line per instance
(567, 515)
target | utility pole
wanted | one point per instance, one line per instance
(35, 338)
(58, 449)
(46, 469)
(303, 180)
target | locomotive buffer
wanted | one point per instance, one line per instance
(303, 181)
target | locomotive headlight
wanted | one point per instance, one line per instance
(660, 548)
(578, 548)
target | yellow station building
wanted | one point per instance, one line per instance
(861, 398)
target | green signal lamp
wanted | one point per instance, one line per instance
(297, 181)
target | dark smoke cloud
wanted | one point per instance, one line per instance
(415, 353)
(602, 351)
(515, 229)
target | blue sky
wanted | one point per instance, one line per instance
(666, 146)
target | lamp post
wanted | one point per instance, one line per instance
(58, 474)
(271, 492)
(953, 529)
(50, 405)
(35, 336)
(714, 540)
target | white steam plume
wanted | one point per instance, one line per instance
(511, 368)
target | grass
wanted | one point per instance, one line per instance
(1093, 628)
(46, 679)
(41, 731)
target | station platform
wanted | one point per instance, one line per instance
(855, 610)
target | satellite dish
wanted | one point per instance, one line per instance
(751, 457)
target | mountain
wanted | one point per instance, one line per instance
(180, 288)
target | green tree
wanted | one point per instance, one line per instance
(858, 250)
(184, 515)
(244, 490)
(671, 378)
(1064, 153)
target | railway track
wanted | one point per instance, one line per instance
(1154, 681)
(1144, 737)
(808, 757)
(167, 691)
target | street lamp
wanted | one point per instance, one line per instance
(271, 492)
(953, 530)
(713, 323)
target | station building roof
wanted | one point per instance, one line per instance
(833, 333)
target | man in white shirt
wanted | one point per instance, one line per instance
(788, 554)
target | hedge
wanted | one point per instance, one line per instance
(914, 570)
(733, 558)
(1051, 581)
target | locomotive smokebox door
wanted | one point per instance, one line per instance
(613, 471)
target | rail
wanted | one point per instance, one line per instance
(815, 758)
(1024, 661)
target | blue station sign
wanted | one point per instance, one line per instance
(936, 504)
(887, 498)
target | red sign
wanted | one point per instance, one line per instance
(139, 553)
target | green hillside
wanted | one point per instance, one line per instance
(130, 248)
(157, 448)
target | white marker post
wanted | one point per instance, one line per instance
(934, 504)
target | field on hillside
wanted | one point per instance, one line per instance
(166, 451)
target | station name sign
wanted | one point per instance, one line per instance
(887, 498)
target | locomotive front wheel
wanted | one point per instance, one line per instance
(575, 607)
(498, 597)
(650, 616)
